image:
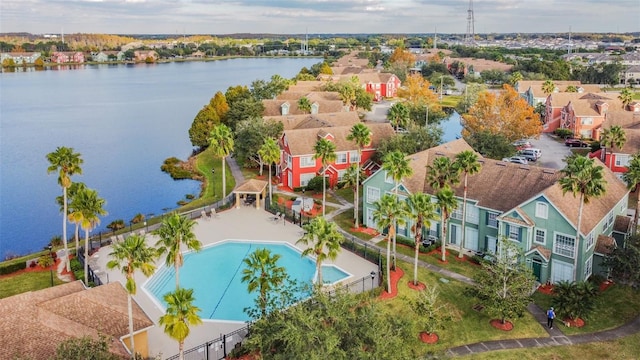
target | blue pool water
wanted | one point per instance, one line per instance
(215, 275)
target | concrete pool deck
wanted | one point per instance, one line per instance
(246, 223)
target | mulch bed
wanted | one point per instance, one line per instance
(395, 275)
(507, 326)
(420, 286)
(605, 285)
(428, 338)
(573, 323)
(366, 230)
(546, 289)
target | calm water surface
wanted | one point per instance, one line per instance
(124, 120)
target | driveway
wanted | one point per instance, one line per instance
(553, 152)
(378, 111)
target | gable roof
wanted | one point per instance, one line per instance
(302, 141)
(311, 95)
(596, 209)
(42, 319)
(604, 244)
(536, 87)
(306, 86)
(274, 107)
(308, 121)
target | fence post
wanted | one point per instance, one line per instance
(224, 345)
(206, 350)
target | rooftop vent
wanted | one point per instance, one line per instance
(501, 163)
(548, 171)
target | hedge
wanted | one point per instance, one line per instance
(12, 267)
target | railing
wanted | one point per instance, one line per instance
(92, 276)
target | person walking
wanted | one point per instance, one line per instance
(550, 316)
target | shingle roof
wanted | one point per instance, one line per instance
(42, 319)
(596, 209)
(251, 186)
(622, 224)
(274, 107)
(545, 252)
(311, 95)
(306, 86)
(302, 141)
(604, 244)
(308, 121)
(536, 87)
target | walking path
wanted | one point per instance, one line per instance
(555, 338)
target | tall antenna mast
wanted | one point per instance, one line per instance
(569, 46)
(470, 36)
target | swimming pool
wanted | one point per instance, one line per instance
(215, 275)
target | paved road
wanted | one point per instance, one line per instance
(379, 111)
(553, 152)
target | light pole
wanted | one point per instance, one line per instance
(213, 182)
(373, 276)
(51, 268)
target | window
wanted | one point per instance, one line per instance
(341, 158)
(289, 161)
(341, 174)
(608, 222)
(304, 178)
(588, 267)
(541, 235)
(353, 157)
(587, 121)
(472, 214)
(589, 240)
(457, 213)
(514, 232)
(492, 220)
(307, 161)
(565, 245)
(388, 178)
(622, 160)
(542, 210)
(373, 194)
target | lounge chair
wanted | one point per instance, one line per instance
(203, 214)
(276, 217)
(213, 214)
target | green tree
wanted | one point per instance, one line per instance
(360, 134)
(221, 141)
(466, 162)
(324, 241)
(613, 137)
(582, 177)
(74, 189)
(626, 96)
(632, 178)
(548, 87)
(181, 313)
(270, 154)
(574, 299)
(624, 261)
(515, 78)
(202, 125)
(263, 274)
(492, 146)
(421, 210)
(324, 150)
(129, 256)
(176, 232)
(571, 89)
(504, 286)
(387, 213)
(243, 109)
(67, 163)
(430, 313)
(396, 165)
(304, 105)
(88, 206)
(447, 203)
(116, 225)
(85, 348)
(250, 136)
(398, 115)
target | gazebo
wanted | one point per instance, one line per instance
(251, 187)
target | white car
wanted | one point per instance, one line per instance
(516, 160)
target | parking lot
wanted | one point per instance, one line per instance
(553, 152)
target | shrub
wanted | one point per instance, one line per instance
(189, 196)
(173, 167)
(563, 133)
(12, 267)
(75, 265)
(45, 261)
(575, 300)
(56, 240)
(315, 184)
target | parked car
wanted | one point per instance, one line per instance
(517, 160)
(575, 143)
(531, 154)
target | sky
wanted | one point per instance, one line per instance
(218, 17)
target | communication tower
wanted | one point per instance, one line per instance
(470, 36)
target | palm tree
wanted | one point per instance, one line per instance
(632, 178)
(396, 164)
(66, 163)
(422, 210)
(87, 206)
(442, 174)
(74, 189)
(447, 203)
(304, 105)
(398, 115)
(326, 151)
(263, 274)
(388, 212)
(324, 240)
(548, 87)
(571, 89)
(613, 137)
(269, 152)
(467, 162)
(626, 97)
(515, 78)
(174, 232)
(353, 178)
(180, 313)
(221, 140)
(131, 255)
(360, 134)
(582, 177)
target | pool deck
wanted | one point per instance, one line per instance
(245, 223)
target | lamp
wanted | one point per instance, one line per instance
(373, 276)
(51, 268)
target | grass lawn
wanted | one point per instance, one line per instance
(212, 186)
(461, 267)
(26, 281)
(345, 222)
(467, 326)
(614, 307)
(624, 348)
(347, 194)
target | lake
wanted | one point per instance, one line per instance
(123, 119)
